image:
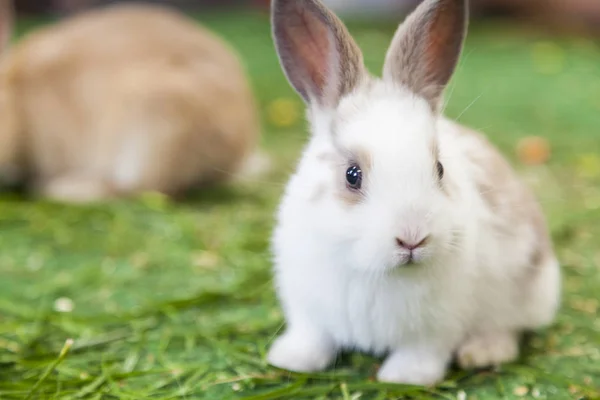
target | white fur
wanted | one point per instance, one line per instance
(336, 265)
(343, 280)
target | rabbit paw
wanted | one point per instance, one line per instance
(301, 353)
(413, 368)
(488, 350)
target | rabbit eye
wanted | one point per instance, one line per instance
(440, 170)
(354, 177)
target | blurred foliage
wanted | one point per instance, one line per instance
(174, 300)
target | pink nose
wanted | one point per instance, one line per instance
(411, 245)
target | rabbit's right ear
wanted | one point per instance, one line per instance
(318, 55)
(6, 23)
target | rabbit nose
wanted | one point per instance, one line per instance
(411, 245)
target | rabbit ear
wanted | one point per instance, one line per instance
(318, 55)
(6, 23)
(426, 48)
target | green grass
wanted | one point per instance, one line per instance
(174, 300)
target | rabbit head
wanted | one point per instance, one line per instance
(389, 188)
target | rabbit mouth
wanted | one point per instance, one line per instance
(406, 260)
(410, 259)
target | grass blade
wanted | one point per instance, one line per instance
(61, 356)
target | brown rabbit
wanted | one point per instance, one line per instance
(119, 100)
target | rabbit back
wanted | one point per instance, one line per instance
(137, 96)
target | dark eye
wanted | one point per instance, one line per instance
(440, 170)
(354, 177)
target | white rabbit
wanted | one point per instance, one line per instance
(401, 232)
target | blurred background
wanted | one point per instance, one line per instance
(581, 15)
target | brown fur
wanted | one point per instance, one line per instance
(511, 201)
(426, 49)
(307, 35)
(345, 195)
(363, 158)
(6, 22)
(79, 90)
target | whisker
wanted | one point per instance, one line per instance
(459, 68)
(275, 334)
(469, 106)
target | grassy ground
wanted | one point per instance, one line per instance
(175, 301)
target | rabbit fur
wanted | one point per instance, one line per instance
(442, 252)
(120, 100)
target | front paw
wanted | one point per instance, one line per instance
(488, 350)
(301, 353)
(413, 368)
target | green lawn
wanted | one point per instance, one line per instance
(174, 300)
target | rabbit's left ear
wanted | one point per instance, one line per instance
(6, 23)
(318, 55)
(427, 47)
